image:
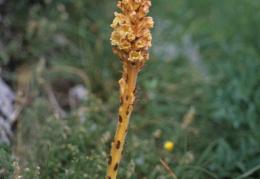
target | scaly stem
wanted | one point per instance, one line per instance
(127, 97)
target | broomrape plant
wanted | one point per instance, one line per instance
(131, 39)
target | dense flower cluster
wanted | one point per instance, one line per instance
(131, 36)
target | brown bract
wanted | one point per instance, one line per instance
(131, 36)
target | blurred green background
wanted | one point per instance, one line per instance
(200, 89)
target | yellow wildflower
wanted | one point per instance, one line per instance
(169, 145)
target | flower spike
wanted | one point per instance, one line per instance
(131, 39)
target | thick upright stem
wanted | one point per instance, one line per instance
(127, 97)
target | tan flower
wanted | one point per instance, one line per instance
(141, 43)
(131, 36)
(115, 38)
(146, 23)
(120, 20)
(124, 31)
(124, 45)
(135, 56)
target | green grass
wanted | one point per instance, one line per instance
(205, 56)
